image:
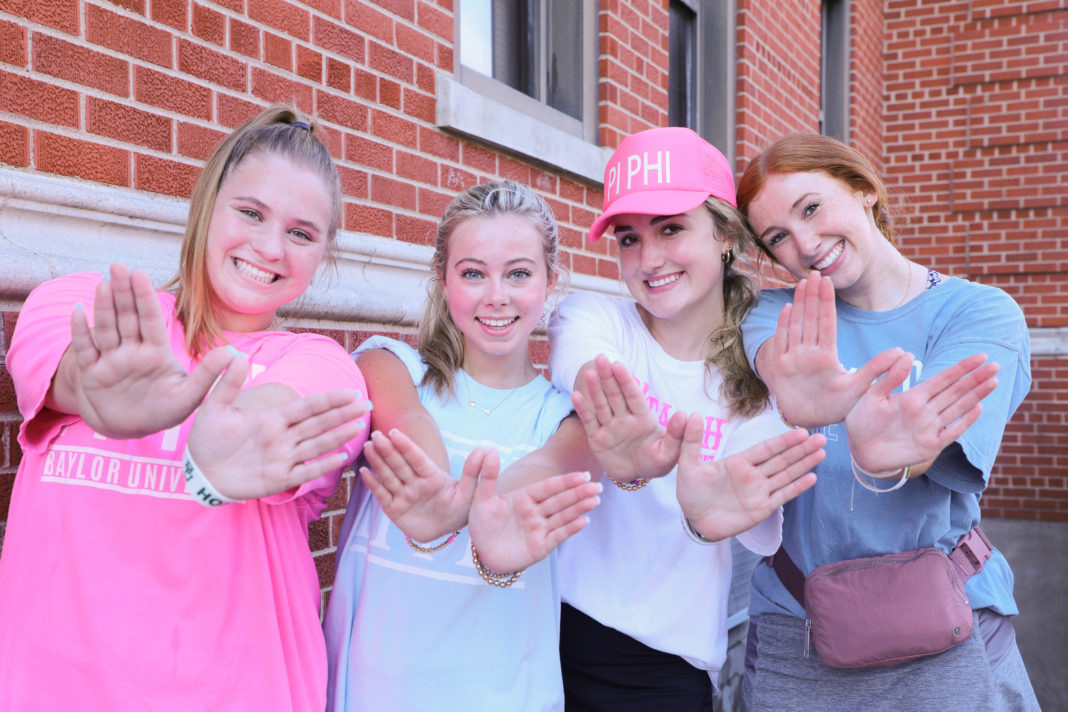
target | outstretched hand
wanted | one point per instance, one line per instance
(888, 430)
(726, 497)
(126, 381)
(800, 363)
(515, 530)
(250, 449)
(424, 501)
(623, 433)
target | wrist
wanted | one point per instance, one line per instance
(868, 479)
(197, 484)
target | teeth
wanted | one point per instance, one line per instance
(830, 258)
(254, 272)
(665, 280)
(496, 323)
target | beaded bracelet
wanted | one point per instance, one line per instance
(860, 474)
(493, 579)
(431, 549)
(632, 486)
(197, 484)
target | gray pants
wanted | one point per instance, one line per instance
(967, 678)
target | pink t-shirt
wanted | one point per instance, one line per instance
(117, 590)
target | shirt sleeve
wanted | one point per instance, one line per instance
(41, 337)
(759, 325)
(764, 538)
(983, 320)
(583, 326)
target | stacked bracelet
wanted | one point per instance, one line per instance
(431, 549)
(632, 486)
(197, 484)
(692, 532)
(493, 579)
(863, 476)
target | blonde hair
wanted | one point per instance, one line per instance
(813, 153)
(273, 131)
(746, 394)
(441, 344)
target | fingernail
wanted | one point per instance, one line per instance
(234, 350)
(360, 424)
(107, 277)
(596, 501)
(370, 405)
(79, 306)
(587, 475)
(600, 488)
(359, 394)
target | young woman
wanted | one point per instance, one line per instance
(412, 623)
(921, 454)
(644, 620)
(119, 588)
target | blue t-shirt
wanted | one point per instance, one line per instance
(836, 519)
(413, 631)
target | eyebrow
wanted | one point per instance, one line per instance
(264, 206)
(477, 261)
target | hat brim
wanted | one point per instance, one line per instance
(648, 202)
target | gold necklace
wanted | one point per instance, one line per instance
(908, 284)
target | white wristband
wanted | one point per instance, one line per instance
(694, 534)
(197, 484)
(862, 477)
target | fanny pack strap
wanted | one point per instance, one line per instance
(968, 557)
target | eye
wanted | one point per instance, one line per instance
(470, 274)
(775, 239)
(520, 274)
(249, 212)
(301, 235)
(809, 209)
(671, 229)
(626, 239)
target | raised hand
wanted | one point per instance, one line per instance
(424, 501)
(267, 444)
(800, 363)
(888, 430)
(124, 380)
(515, 530)
(725, 497)
(623, 433)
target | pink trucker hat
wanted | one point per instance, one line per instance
(663, 172)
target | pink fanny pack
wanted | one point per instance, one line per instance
(884, 610)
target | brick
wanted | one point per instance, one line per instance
(81, 159)
(338, 75)
(432, 202)
(367, 152)
(389, 61)
(196, 141)
(126, 123)
(283, 16)
(416, 43)
(172, 93)
(212, 66)
(209, 25)
(244, 38)
(439, 144)
(456, 179)
(81, 65)
(416, 230)
(174, 13)
(368, 218)
(387, 191)
(365, 85)
(38, 100)
(343, 112)
(479, 157)
(14, 145)
(420, 106)
(310, 65)
(435, 21)
(354, 183)
(59, 14)
(327, 7)
(161, 175)
(393, 128)
(278, 51)
(271, 86)
(366, 19)
(128, 36)
(334, 38)
(417, 168)
(8, 402)
(137, 6)
(389, 93)
(13, 44)
(319, 535)
(232, 111)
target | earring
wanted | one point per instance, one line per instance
(870, 202)
(726, 256)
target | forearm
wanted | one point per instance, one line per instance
(566, 451)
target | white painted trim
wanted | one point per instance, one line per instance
(465, 111)
(1052, 341)
(51, 225)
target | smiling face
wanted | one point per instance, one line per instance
(811, 221)
(267, 236)
(673, 266)
(496, 283)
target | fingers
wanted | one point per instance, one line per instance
(812, 313)
(328, 441)
(880, 364)
(781, 339)
(206, 373)
(671, 443)
(392, 469)
(81, 339)
(690, 449)
(151, 327)
(784, 494)
(797, 315)
(382, 493)
(633, 398)
(766, 450)
(229, 385)
(105, 332)
(827, 323)
(897, 373)
(486, 464)
(126, 318)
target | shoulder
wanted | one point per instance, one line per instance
(773, 299)
(981, 312)
(407, 354)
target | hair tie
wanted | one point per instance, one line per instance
(301, 125)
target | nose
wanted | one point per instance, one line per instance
(269, 242)
(496, 294)
(808, 242)
(652, 255)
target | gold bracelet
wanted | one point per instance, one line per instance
(493, 579)
(431, 549)
(632, 486)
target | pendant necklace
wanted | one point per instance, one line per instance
(487, 411)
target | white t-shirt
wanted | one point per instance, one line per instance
(634, 568)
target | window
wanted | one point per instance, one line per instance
(701, 69)
(526, 80)
(834, 69)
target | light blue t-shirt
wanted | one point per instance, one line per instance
(411, 631)
(836, 519)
